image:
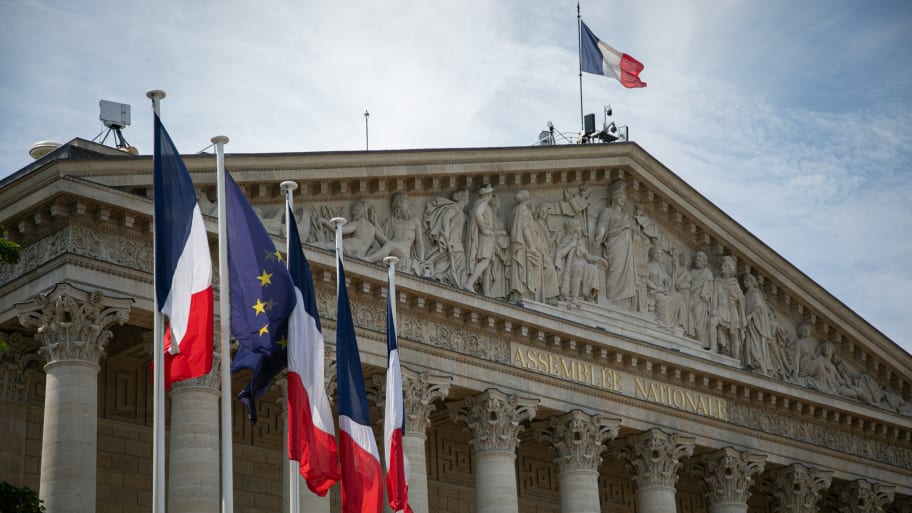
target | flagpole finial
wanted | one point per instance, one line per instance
(338, 221)
(391, 261)
(219, 139)
(155, 94)
(288, 185)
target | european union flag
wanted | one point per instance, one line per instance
(262, 296)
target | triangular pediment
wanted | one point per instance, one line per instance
(600, 236)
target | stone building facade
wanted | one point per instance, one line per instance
(580, 331)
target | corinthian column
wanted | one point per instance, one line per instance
(796, 488)
(864, 497)
(494, 420)
(72, 326)
(578, 439)
(727, 476)
(420, 391)
(193, 471)
(654, 458)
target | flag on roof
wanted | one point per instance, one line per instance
(600, 58)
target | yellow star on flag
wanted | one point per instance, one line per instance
(283, 342)
(278, 256)
(264, 330)
(259, 307)
(265, 278)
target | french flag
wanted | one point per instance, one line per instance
(362, 491)
(397, 465)
(599, 58)
(183, 267)
(311, 435)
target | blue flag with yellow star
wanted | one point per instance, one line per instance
(262, 296)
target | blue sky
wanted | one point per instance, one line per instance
(792, 117)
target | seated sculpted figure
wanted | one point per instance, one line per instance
(400, 236)
(357, 234)
(579, 276)
(820, 372)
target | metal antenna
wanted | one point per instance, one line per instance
(366, 139)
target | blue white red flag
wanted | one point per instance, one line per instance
(600, 58)
(183, 266)
(397, 465)
(311, 434)
(362, 491)
(262, 296)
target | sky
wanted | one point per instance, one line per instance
(792, 117)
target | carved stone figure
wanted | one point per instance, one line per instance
(728, 312)
(669, 306)
(820, 372)
(701, 290)
(783, 366)
(614, 232)
(578, 272)
(683, 285)
(533, 275)
(401, 235)
(502, 262)
(445, 222)
(481, 240)
(805, 348)
(758, 336)
(359, 233)
(544, 242)
(863, 386)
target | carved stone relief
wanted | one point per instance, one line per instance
(592, 246)
(600, 245)
(822, 435)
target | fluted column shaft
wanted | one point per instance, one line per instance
(654, 458)
(494, 420)
(193, 475)
(72, 326)
(69, 440)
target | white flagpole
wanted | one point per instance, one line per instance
(294, 471)
(391, 261)
(338, 222)
(224, 331)
(158, 359)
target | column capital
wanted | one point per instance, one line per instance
(861, 496)
(654, 456)
(578, 439)
(797, 488)
(727, 474)
(72, 324)
(421, 389)
(494, 419)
